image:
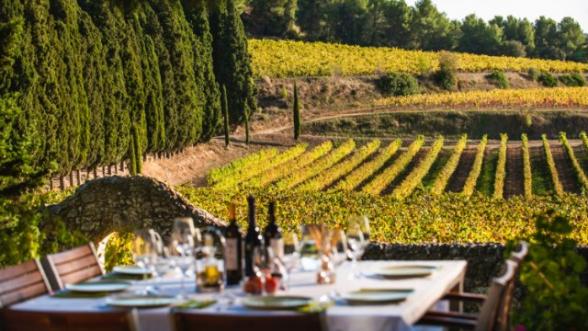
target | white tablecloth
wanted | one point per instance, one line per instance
(401, 316)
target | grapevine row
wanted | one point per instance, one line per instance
(316, 168)
(584, 138)
(472, 180)
(445, 174)
(576, 164)
(281, 58)
(231, 181)
(355, 178)
(280, 171)
(409, 184)
(379, 184)
(328, 177)
(241, 165)
(552, 168)
(527, 174)
(540, 97)
(500, 174)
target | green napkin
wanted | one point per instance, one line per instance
(315, 307)
(196, 304)
(65, 294)
(119, 276)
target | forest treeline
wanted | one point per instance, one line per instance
(85, 83)
(396, 24)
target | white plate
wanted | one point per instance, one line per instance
(97, 287)
(402, 271)
(281, 302)
(376, 296)
(139, 301)
(131, 270)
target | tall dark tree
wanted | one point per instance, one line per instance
(225, 107)
(296, 113)
(232, 64)
(431, 29)
(479, 37)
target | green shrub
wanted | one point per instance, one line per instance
(554, 297)
(446, 76)
(397, 84)
(498, 78)
(574, 79)
(533, 74)
(547, 79)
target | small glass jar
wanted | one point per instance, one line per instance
(210, 269)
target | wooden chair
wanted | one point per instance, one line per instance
(22, 282)
(521, 254)
(15, 320)
(73, 266)
(191, 321)
(494, 312)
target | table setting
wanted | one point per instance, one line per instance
(315, 269)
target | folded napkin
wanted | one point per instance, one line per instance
(119, 276)
(65, 294)
(195, 304)
(315, 307)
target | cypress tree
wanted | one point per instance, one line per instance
(132, 158)
(246, 111)
(138, 156)
(296, 114)
(232, 64)
(225, 115)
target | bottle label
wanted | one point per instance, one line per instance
(277, 246)
(231, 255)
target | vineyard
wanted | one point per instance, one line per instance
(280, 58)
(415, 190)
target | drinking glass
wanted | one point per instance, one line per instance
(182, 248)
(356, 244)
(143, 249)
(291, 250)
(340, 247)
(309, 252)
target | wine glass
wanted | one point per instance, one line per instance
(144, 253)
(291, 250)
(356, 244)
(309, 252)
(340, 247)
(182, 247)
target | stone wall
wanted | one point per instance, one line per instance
(485, 261)
(110, 204)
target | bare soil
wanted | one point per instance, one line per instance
(514, 182)
(462, 172)
(565, 171)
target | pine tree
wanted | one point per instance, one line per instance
(225, 108)
(296, 114)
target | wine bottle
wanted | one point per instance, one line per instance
(253, 239)
(273, 233)
(233, 249)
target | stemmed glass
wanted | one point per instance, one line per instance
(356, 243)
(182, 248)
(144, 252)
(340, 247)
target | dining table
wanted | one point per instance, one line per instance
(424, 293)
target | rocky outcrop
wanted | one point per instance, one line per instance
(110, 204)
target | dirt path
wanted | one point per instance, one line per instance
(459, 177)
(564, 167)
(514, 182)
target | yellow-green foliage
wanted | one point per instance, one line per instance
(578, 170)
(282, 58)
(415, 177)
(445, 174)
(379, 184)
(118, 250)
(558, 187)
(500, 168)
(355, 178)
(231, 181)
(299, 176)
(535, 97)
(446, 218)
(527, 173)
(329, 176)
(470, 184)
(241, 165)
(284, 169)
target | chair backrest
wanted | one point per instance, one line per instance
(521, 254)
(73, 266)
(190, 321)
(492, 313)
(22, 282)
(16, 320)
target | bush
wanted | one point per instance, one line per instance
(533, 74)
(446, 77)
(514, 48)
(547, 79)
(574, 79)
(498, 78)
(397, 84)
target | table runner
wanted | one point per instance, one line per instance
(401, 316)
